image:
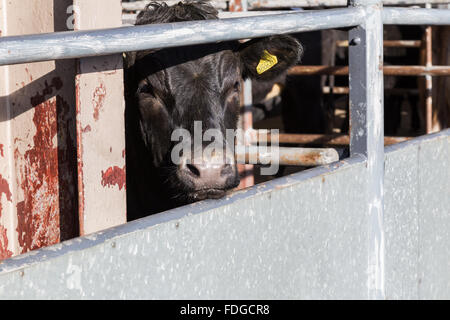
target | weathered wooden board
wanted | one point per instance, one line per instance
(100, 125)
(37, 137)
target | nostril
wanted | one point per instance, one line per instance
(227, 170)
(193, 169)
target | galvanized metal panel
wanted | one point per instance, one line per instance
(294, 237)
(300, 236)
(434, 219)
(417, 218)
(401, 223)
(100, 126)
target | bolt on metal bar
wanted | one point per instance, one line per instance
(78, 44)
(367, 129)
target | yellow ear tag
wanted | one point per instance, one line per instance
(267, 61)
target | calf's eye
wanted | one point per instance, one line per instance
(237, 86)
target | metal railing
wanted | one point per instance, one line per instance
(80, 44)
(267, 4)
(366, 19)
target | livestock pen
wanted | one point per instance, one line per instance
(375, 225)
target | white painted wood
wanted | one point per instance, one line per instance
(100, 125)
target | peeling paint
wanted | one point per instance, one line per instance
(87, 129)
(235, 5)
(30, 76)
(114, 176)
(4, 252)
(81, 187)
(98, 100)
(4, 189)
(38, 213)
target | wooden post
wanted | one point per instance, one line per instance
(38, 204)
(100, 125)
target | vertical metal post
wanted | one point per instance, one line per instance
(245, 170)
(367, 128)
(428, 79)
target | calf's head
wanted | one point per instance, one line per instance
(198, 88)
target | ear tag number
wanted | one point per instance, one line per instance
(267, 61)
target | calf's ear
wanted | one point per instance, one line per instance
(154, 126)
(266, 58)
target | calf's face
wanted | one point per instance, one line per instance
(197, 88)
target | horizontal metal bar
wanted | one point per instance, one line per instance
(393, 91)
(140, 5)
(307, 157)
(387, 70)
(419, 16)
(77, 44)
(319, 70)
(389, 43)
(412, 2)
(130, 18)
(239, 14)
(267, 4)
(417, 70)
(316, 139)
(335, 90)
(254, 4)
